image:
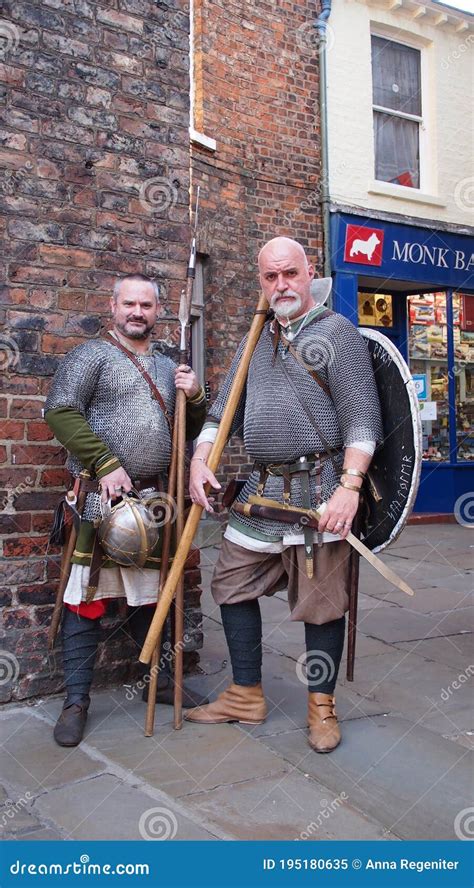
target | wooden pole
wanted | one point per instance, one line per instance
(165, 559)
(213, 463)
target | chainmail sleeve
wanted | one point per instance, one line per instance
(352, 384)
(76, 377)
(217, 409)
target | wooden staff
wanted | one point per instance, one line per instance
(165, 560)
(176, 488)
(213, 463)
(67, 553)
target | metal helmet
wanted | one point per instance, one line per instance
(128, 531)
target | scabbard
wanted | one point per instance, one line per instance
(66, 560)
(288, 516)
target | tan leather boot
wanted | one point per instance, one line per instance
(237, 703)
(324, 734)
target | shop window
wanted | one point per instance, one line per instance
(375, 309)
(428, 359)
(463, 369)
(396, 85)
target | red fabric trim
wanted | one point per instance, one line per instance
(92, 611)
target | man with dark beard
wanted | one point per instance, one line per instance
(113, 423)
(310, 416)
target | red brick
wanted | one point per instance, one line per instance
(16, 478)
(23, 385)
(39, 431)
(60, 345)
(14, 523)
(3, 453)
(11, 430)
(16, 619)
(54, 478)
(72, 299)
(24, 547)
(37, 454)
(41, 522)
(23, 408)
(66, 256)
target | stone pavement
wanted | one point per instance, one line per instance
(402, 771)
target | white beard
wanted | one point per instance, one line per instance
(284, 313)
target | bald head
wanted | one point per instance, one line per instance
(285, 276)
(280, 246)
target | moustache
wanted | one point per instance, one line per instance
(288, 294)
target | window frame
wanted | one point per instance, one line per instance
(424, 166)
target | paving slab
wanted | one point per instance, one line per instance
(30, 758)
(410, 685)
(104, 808)
(294, 807)
(195, 758)
(430, 599)
(455, 651)
(406, 778)
(401, 624)
(40, 835)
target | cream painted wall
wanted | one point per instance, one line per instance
(447, 176)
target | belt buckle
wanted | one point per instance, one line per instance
(270, 469)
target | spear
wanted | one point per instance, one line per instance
(187, 536)
(176, 486)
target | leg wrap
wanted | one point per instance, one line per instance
(324, 646)
(243, 631)
(139, 621)
(80, 638)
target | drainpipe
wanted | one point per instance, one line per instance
(323, 114)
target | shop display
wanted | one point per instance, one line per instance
(375, 310)
(428, 354)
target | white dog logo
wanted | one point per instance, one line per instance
(366, 247)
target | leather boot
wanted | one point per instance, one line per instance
(69, 728)
(324, 734)
(165, 693)
(237, 703)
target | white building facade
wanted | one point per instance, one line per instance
(400, 135)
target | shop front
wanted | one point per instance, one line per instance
(416, 285)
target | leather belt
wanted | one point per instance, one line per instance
(306, 467)
(157, 481)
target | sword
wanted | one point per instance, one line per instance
(261, 507)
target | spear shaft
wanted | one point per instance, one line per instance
(191, 525)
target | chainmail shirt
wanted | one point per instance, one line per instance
(99, 381)
(273, 424)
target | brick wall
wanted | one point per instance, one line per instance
(256, 78)
(94, 156)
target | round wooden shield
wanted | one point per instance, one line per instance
(394, 473)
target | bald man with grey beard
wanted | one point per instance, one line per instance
(319, 355)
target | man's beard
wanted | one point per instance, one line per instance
(289, 311)
(134, 333)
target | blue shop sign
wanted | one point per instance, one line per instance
(401, 252)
